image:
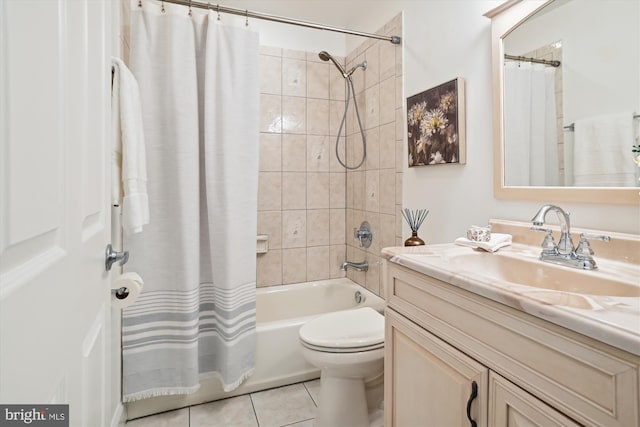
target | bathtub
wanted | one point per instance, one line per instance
(281, 311)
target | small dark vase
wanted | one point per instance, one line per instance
(414, 240)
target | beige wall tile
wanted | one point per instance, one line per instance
(318, 263)
(337, 227)
(373, 148)
(387, 235)
(295, 54)
(387, 146)
(337, 255)
(358, 190)
(317, 117)
(387, 60)
(270, 152)
(387, 191)
(372, 277)
(269, 268)
(270, 113)
(372, 107)
(270, 223)
(318, 79)
(294, 77)
(334, 165)
(270, 74)
(349, 190)
(269, 191)
(337, 86)
(399, 92)
(294, 229)
(318, 221)
(336, 112)
(317, 190)
(398, 188)
(294, 153)
(294, 190)
(337, 189)
(294, 115)
(294, 265)
(354, 150)
(388, 100)
(372, 74)
(317, 153)
(372, 186)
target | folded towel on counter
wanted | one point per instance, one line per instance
(497, 241)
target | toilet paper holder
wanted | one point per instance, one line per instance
(120, 293)
(112, 257)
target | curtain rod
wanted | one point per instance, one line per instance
(534, 60)
(572, 126)
(281, 19)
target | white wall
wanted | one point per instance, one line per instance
(443, 39)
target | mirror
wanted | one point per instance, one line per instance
(580, 103)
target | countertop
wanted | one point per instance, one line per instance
(613, 320)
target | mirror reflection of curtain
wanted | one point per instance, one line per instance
(531, 154)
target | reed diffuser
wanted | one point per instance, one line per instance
(414, 219)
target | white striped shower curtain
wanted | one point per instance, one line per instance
(199, 90)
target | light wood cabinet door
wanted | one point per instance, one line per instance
(510, 406)
(428, 382)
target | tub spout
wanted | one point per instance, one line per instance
(358, 266)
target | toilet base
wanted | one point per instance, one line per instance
(342, 402)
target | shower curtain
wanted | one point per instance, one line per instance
(198, 81)
(531, 143)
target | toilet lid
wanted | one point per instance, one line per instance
(362, 327)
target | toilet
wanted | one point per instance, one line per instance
(348, 348)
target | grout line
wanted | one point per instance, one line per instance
(297, 422)
(309, 393)
(253, 406)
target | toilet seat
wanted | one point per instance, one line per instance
(347, 331)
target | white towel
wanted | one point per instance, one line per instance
(602, 151)
(498, 240)
(129, 168)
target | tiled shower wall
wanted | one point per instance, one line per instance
(307, 203)
(301, 196)
(374, 192)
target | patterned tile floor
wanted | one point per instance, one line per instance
(291, 406)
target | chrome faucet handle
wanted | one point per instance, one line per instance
(603, 237)
(549, 246)
(584, 251)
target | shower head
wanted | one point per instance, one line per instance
(324, 55)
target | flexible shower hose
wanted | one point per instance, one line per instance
(351, 90)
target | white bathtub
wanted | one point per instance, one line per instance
(281, 311)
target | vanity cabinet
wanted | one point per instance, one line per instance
(441, 339)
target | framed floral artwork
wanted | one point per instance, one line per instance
(435, 125)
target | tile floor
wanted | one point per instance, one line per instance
(292, 406)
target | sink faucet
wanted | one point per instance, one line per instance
(565, 245)
(358, 266)
(564, 253)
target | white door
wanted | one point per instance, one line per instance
(54, 217)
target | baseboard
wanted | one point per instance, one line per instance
(119, 418)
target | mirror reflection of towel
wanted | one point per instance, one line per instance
(602, 151)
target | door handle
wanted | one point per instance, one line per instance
(112, 257)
